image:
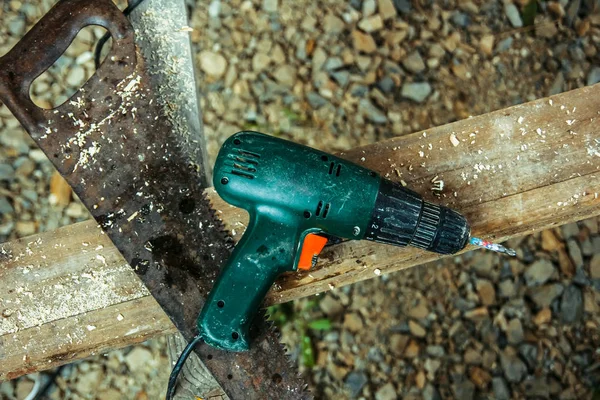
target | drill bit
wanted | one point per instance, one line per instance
(492, 246)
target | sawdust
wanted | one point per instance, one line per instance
(46, 293)
(167, 32)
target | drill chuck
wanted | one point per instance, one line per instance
(402, 218)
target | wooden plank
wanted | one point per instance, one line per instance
(514, 172)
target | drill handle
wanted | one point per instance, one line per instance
(267, 248)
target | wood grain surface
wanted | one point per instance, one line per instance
(68, 294)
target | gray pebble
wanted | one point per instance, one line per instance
(500, 388)
(514, 369)
(375, 354)
(5, 206)
(356, 4)
(464, 389)
(6, 229)
(507, 288)
(301, 49)
(596, 244)
(514, 333)
(24, 166)
(386, 392)
(435, 351)
(512, 12)
(586, 247)
(557, 86)
(414, 62)
(543, 296)
(417, 91)
(539, 272)
(402, 6)
(355, 381)
(577, 53)
(529, 353)
(536, 387)
(593, 76)
(575, 252)
(76, 76)
(31, 11)
(386, 84)
(504, 45)
(341, 77)
(270, 6)
(7, 172)
(461, 19)
(315, 100)
(333, 63)
(214, 8)
(30, 195)
(373, 113)
(38, 156)
(580, 277)
(357, 90)
(16, 26)
(572, 11)
(571, 305)
(463, 305)
(570, 230)
(368, 7)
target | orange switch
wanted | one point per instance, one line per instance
(312, 246)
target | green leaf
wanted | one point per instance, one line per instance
(529, 13)
(291, 115)
(322, 324)
(308, 354)
(311, 304)
(281, 314)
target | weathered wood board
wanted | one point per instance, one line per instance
(68, 293)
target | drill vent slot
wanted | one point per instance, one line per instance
(320, 209)
(337, 170)
(242, 174)
(244, 165)
(247, 153)
(246, 160)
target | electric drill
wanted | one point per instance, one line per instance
(293, 194)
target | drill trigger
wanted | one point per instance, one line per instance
(312, 246)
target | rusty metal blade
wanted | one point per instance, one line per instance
(114, 145)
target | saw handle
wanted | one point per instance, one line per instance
(47, 41)
(267, 248)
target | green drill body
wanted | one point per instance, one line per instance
(290, 191)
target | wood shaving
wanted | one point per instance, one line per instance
(455, 142)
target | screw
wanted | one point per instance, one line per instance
(356, 231)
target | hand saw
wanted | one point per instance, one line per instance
(136, 176)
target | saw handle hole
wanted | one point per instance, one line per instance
(70, 71)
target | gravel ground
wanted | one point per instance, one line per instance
(336, 75)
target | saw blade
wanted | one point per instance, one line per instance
(126, 163)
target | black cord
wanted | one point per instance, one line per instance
(179, 365)
(131, 5)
